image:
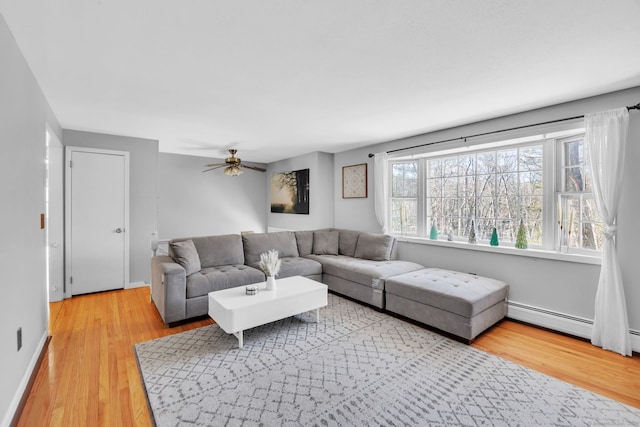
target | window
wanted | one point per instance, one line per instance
(542, 180)
(404, 197)
(579, 223)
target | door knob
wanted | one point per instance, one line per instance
(119, 230)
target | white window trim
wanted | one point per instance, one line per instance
(547, 135)
(594, 259)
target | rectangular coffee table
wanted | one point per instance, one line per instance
(235, 311)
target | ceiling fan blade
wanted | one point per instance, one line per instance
(215, 164)
(216, 167)
(255, 168)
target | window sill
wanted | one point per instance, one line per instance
(532, 253)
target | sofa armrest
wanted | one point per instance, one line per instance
(169, 288)
(394, 249)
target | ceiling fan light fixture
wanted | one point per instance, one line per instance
(233, 165)
(232, 170)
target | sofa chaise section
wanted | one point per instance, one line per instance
(357, 264)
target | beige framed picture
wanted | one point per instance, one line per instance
(354, 181)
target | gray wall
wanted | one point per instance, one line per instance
(24, 113)
(560, 286)
(192, 203)
(321, 196)
(143, 180)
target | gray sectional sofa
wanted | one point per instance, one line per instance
(352, 263)
(359, 265)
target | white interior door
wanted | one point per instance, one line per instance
(55, 217)
(97, 220)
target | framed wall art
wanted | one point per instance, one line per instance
(354, 181)
(290, 192)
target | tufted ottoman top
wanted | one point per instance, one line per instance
(461, 293)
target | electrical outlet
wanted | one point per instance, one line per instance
(19, 338)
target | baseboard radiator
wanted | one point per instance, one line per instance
(561, 322)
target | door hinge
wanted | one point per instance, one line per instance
(70, 280)
(70, 163)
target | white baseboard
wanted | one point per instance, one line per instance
(136, 285)
(568, 324)
(22, 387)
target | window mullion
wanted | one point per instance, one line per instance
(550, 229)
(422, 204)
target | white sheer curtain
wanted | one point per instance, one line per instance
(606, 136)
(381, 189)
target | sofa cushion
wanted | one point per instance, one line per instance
(185, 254)
(363, 271)
(348, 242)
(326, 242)
(221, 277)
(304, 240)
(375, 247)
(295, 266)
(215, 251)
(257, 243)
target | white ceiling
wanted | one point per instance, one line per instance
(280, 78)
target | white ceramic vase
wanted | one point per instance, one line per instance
(271, 283)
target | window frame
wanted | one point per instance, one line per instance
(562, 192)
(553, 169)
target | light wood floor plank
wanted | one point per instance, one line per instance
(89, 375)
(568, 359)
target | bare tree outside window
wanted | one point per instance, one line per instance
(498, 187)
(581, 223)
(404, 198)
(495, 188)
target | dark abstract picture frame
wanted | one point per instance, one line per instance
(290, 192)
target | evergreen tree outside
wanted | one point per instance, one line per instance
(521, 240)
(494, 238)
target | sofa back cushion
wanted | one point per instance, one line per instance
(326, 242)
(304, 240)
(215, 251)
(376, 247)
(256, 243)
(185, 253)
(348, 242)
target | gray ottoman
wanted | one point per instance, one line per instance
(459, 303)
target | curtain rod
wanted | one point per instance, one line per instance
(632, 107)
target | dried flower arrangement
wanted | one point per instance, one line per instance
(270, 263)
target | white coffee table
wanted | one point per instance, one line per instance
(235, 311)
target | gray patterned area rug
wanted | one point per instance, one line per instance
(356, 367)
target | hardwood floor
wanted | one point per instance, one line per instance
(89, 375)
(569, 359)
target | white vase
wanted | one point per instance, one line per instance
(271, 283)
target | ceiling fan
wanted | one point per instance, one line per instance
(233, 165)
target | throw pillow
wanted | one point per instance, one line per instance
(255, 244)
(376, 247)
(348, 241)
(185, 254)
(304, 240)
(325, 242)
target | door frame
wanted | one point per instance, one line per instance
(67, 212)
(59, 294)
